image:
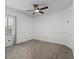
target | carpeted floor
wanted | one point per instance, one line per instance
(36, 49)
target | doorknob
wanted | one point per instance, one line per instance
(9, 40)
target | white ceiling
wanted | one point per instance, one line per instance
(22, 5)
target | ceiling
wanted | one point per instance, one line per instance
(22, 5)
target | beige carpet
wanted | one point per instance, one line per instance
(36, 49)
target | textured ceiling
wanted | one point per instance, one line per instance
(22, 5)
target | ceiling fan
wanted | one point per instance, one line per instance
(37, 9)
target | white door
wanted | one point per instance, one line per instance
(10, 30)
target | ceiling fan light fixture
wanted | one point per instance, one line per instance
(36, 11)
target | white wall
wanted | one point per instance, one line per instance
(23, 25)
(53, 27)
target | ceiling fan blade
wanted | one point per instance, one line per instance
(33, 13)
(35, 5)
(41, 12)
(44, 8)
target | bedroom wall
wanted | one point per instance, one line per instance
(23, 25)
(55, 27)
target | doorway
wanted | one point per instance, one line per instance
(10, 32)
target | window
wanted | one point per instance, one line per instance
(9, 25)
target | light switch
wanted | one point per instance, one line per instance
(68, 22)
